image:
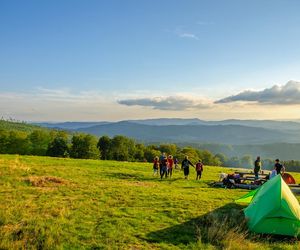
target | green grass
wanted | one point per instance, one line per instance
(52, 203)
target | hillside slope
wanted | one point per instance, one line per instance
(52, 203)
(19, 126)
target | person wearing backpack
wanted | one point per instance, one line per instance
(257, 167)
(185, 165)
(199, 169)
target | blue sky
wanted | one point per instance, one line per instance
(115, 51)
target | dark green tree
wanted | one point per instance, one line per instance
(39, 142)
(150, 153)
(18, 143)
(122, 148)
(4, 135)
(169, 149)
(139, 152)
(58, 147)
(84, 146)
(104, 146)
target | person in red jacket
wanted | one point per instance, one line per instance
(199, 169)
(170, 165)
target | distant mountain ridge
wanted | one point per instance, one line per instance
(226, 134)
(176, 130)
(270, 124)
(69, 125)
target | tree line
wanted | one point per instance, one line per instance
(120, 148)
(86, 146)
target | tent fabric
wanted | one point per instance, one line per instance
(274, 209)
(247, 198)
(288, 178)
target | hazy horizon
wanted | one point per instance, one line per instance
(157, 118)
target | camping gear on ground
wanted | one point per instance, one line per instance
(273, 209)
(231, 180)
(273, 174)
(246, 180)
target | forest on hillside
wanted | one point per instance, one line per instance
(24, 139)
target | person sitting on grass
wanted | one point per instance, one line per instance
(185, 165)
(170, 165)
(164, 167)
(199, 169)
(155, 165)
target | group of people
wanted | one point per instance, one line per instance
(278, 168)
(164, 166)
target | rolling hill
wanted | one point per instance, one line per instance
(226, 134)
(235, 132)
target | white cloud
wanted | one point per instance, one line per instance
(168, 103)
(44, 104)
(188, 35)
(287, 94)
(183, 32)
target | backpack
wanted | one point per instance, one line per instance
(199, 166)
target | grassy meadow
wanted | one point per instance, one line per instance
(53, 203)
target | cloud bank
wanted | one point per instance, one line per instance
(167, 103)
(287, 94)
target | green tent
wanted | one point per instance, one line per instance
(274, 209)
(247, 198)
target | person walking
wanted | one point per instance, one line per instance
(185, 165)
(257, 167)
(155, 165)
(170, 165)
(161, 160)
(164, 168)
(199, 169)
(176, 163)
